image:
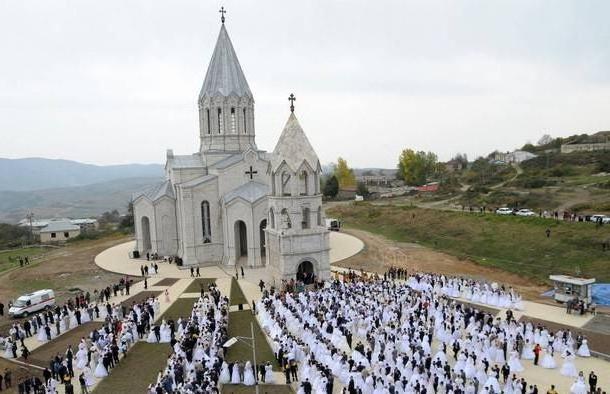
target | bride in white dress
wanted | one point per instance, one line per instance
(166, 333)
(548, 361)
(568, 368)
(225, 375)
(152, 338)
(235, 379)
(249, 375)
(583, 350)
(100, 370)
(514, 363)
(579, 386)
(269, 378)
(8, 352)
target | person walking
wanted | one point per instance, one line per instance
(592, 382)
(537, 350)
(25, 352)
(83, 384)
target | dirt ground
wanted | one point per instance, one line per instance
(65, 270)
(380, 253)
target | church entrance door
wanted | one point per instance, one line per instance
(241, 239)
(146, 244)
(262, 227)
(305, 272)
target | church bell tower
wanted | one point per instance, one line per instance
(226, 104)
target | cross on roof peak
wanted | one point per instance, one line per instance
(292, 99)
(222, 14)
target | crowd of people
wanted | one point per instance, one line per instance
(398, 333)
(197, 361)
(380, 336)
(50, 323)
(97, 354)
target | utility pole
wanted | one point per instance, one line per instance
(254, 358)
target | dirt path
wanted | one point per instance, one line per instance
(581, 196)
(379, 253)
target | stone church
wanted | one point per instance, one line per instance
(230, 203)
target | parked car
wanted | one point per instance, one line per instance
(525, 212)
(333, 224)
(32, 302)
(606, 220)
(504, 211)
(596, 218)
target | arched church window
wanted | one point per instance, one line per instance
(233, 126)
(319, 216)
(285, 179)
(207, 118)
(286, 219)
(245, 123)
(271, 218)
(220, 122)
(305, 222)
(304, 183)
(206, 222)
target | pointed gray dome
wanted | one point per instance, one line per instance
(224, 76)
(294, 148)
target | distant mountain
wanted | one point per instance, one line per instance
(39, 174)
(78, 201)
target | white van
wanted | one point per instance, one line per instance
(32, 302)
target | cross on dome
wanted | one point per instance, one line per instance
(222, 14)
(292, 99)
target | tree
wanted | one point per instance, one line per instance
(362, 190)
(331, 187)
(127, 221)
(545, 140)
(528, 147)
(110, 217)
(344, 174)
(416, 167)
(12, 236)
(462, 159)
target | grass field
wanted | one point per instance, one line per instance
(237, 295)
(10, 259)
(199, 283)
(239, 325)
(137, 370)
(182, 307)
(515, 244)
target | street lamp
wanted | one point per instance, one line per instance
(252, 344)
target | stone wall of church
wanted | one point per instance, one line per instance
(144, 212)
(287, 252)
(252, 216)
(198, 247)
(165, 226)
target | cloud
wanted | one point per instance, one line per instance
(117, 82)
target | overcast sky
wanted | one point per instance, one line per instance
(109, 82)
